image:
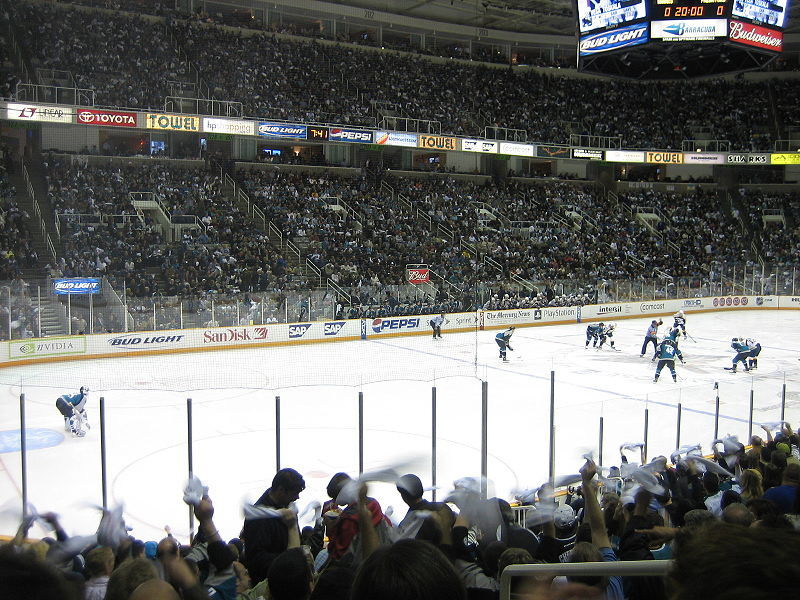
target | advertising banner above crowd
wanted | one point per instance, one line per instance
(785, 158)
(230, 126)
(751, 159)
(39, 112)
(282, 130)
(395, 138)
(703, 158)
(587, 153)
(513, 149)
(360, 136)
(483, 146)
(106, 118)
(172, 122)
(626, 156)
(438, 142)
(664, 158)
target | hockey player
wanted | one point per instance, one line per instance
(436, 325)
(607, 334)
(742, 354)
(667, 351)
(755, 350)
(73, 408)
(502, 340)
(651, 336)
(593, 334)
(680, 321)
(674, 334)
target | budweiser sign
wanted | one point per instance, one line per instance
(419, 275)
(753, 35)
(106, 117)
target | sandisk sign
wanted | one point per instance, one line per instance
(81, 285)
(417, 276)
(613, 40)
(109, 118)
(350, 135)
(753, 35)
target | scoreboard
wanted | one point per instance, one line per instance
(608, 25)
(690, 9)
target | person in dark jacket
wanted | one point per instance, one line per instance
(265, 539)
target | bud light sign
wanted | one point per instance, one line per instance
(384, 325)
(281, 130)
(77, 285)
(614, 40)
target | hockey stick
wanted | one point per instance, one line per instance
(690, 337)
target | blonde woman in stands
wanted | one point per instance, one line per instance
(752, 485)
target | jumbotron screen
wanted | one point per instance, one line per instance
(604, 14)
(607, 25)
(772, 13)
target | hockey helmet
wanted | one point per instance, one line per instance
(681, 313)
(84, 389)
(601, 324)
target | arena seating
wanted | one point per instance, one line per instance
(311, 81)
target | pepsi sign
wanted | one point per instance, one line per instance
(623, 37)
(382, 325)
(350, 135)
(77, 285)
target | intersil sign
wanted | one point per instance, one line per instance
(753, 35)
(109, 118)
(417, 276)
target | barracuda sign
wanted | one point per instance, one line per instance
(619, 38)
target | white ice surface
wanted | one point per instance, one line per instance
(234, 409)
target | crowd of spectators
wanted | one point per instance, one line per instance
(105, 234)
(136, 64)
(359, 234)
(709, 515)
(774, 219)
(16, 248)
(129, 61)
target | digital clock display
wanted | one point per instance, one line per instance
(690, 9)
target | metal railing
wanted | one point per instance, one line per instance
(705, 146)
(55, 94)
(204, 106)
(628, 568)
(596, 141)
(37, 211)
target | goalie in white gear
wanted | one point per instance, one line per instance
(73, 409)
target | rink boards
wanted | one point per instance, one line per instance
(39, 350)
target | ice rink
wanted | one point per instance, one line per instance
(234, 414)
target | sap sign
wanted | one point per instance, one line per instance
(333, 328)
(382, 325)
(298, 331)
(77, 286)
(613, 40)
